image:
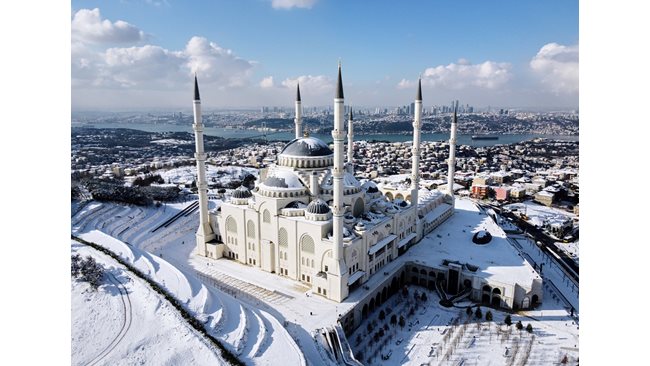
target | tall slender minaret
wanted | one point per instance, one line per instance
(350, 142)
(204, 232)
(452, 154)
(298, 119)
(417, 125)
(339, 289)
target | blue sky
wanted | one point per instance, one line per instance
(506, 53)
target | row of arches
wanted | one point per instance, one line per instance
(283, 194)
(386, 292)
(302, 162)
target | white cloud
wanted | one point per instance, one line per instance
(463, 74)
(150, 66)
(288, 4)
(557, 66)
(88, 26)
(267, 82)
(216, 64)
(310, 84)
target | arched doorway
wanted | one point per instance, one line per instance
(372, 305)
(535, 300)
(364, 311)
(485, 299)
(357, 209)
(384, 295)
(467, 283)
(378, 299)
(496, 301)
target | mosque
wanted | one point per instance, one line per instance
(309, 219)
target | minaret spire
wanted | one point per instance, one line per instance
(452, 153)
(298, 119)
(204, 232)
(196, 89)
(338, 273)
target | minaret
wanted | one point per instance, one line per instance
(298, 119)
(350, 142)
(415, 165)
(338, 289)
(204, 232)
(452, 154)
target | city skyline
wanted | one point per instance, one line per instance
(248, 54)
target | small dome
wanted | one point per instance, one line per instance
(482, 237)
(283, 179)
(306, 146)
(242, 192)
(318, 207)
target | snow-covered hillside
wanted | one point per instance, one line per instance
(125, 322)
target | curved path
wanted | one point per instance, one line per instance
(126, 321)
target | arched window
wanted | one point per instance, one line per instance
(358, 207)
(266, 216)
(307, 244)
(283, 238)
(250, 229)
(231, 225)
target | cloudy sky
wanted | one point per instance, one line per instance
(141, 54)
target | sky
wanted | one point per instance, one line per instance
(142, 54)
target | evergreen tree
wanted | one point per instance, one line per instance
(393, 319)
(478, 313)
(529, 328)
(469, 311)
(488, 316)
(508, 320)
(402, 321)
(382, 315)
(75, 265)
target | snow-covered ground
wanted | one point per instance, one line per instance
(538, 215)
(256, 336)
(222, 175)
(447, 336)
(125, 322)
(264, 318)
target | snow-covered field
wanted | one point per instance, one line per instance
(125, 322)
(254, 335)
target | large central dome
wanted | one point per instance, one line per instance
(306, 146)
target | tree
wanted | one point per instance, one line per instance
(488, 316)
(478, 313)
(529, 328)
(519, 325)
(393, 319)
(423, 297)
(469, 311)
(90, 271)
(382, 315)
(405, 291)
(75, 265)
(508, 320)
(369, 328)
(402, 321)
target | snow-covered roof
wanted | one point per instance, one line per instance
(281, 178)
(306, 146)
(355, 276)
(382, 243)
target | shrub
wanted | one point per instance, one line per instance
(519, 325)
(488, 316)
(478, 313)
(529, 328)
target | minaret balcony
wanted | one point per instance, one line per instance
(200, 156)
(338, 135)
(198, 127)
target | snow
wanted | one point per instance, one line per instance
(288, 177)
(222, 175)
(355, 276)
(235, 323)
(380, 244)
(452, 240)
(132, 326)
(429, 334)
(171, 142)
